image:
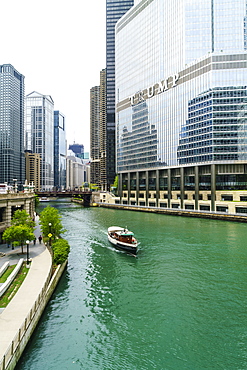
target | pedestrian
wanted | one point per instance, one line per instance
(34, 240)
(40, 239)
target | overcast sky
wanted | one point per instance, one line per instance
(59, 46)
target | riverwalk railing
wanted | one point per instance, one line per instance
(17, 340)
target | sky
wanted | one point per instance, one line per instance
(59, 46)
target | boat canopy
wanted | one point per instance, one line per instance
(120, 231)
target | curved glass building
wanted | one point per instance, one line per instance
(181, 104)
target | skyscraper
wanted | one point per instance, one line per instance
(98, 133)
(181, 106)
(102, 130)
(78, 149)
(60, 150)
(114, 11)
(12, 158)
(39, 134)
(94, 135)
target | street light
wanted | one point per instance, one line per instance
(15, 185)
(50, 234)
(27, 242)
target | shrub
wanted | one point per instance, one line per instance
(61, 251)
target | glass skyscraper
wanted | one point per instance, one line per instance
(181, 104)
(60, 150)
(39, 134)
(12, 158)
(114, 11)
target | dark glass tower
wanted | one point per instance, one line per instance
(114, 11)
(12, 158)
(60, 151)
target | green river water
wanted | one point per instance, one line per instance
(181, 304)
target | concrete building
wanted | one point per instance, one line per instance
(98, 143)
(181, 107)
(77, 172)
(33, 169)
(102, 130)
(60, 150)
(39, 134)
(12, 158)
(95, 134)
(114, 11)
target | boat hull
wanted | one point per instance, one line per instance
(123, 246)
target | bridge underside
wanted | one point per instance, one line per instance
(84, 195)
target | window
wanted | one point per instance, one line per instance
(163, 205)
(221, 209)
(204, 208)
(243, 198)
(189, 206)
(226, 197)
(241, 210)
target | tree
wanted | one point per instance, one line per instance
(21, 217)
(18, 234)
(116, 182)
(36, 200)
(50, 221)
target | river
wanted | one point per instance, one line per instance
(181, 304)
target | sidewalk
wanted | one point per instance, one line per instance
(14, 255)
(13, 316)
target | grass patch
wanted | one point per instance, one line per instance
(9, 294)
(5, 276)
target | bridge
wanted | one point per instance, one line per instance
(85, 195)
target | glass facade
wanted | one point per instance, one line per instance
(39, 134)
(60, 151)
(114, 11)
(12, 158)
(181, 84)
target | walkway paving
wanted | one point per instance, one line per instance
(13, 316)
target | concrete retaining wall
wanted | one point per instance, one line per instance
(4, 268)
(11, 277)
(178, 212)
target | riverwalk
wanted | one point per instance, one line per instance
(14, 315)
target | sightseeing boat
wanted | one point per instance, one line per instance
(122, 239)
(44, 199)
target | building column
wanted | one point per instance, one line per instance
(147, 188)
(169, 186)
(120, 186)
(182, 187)
(157, 187)
(137, 188)
(128, 187)
(196, 187)
(8, 213)
(213, 186)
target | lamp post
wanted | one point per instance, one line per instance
(15, 185)
(27, 242)
(50, 234)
